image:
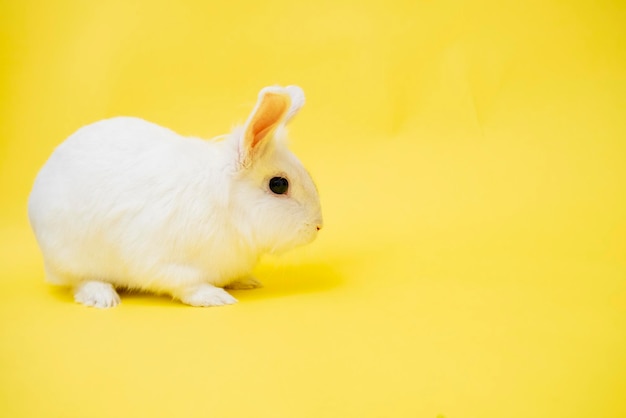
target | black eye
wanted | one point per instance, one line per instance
(279, 185)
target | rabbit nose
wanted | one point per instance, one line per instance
(318, 227)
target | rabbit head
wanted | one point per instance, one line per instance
(273, 197)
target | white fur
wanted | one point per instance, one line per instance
(97, 294)
(297, 100)
(129, 203)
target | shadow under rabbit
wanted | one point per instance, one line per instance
(278, 281)
(290, 280)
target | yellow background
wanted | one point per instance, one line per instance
(471, 161)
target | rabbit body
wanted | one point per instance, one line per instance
(127, 203)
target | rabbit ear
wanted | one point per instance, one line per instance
(297, 101)
(271, 108)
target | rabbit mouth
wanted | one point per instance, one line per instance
(309, 232)
(304, 235)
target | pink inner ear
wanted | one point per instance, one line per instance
(271, 110)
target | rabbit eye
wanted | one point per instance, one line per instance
(279, 185)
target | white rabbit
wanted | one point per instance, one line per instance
(126, 203)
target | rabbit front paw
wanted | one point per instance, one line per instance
(207, 295)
